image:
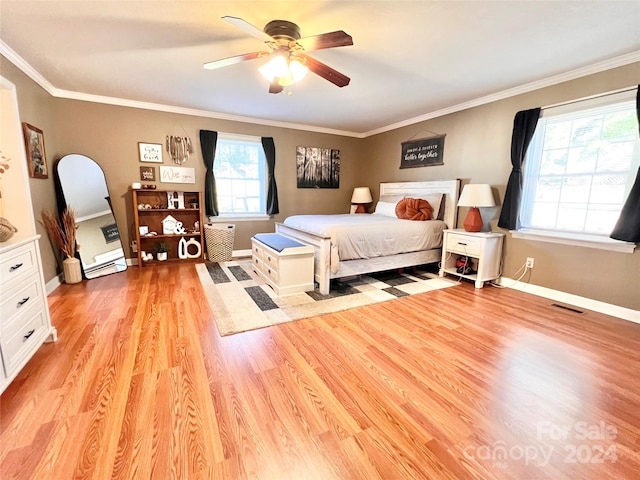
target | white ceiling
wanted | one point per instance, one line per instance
(409, 58)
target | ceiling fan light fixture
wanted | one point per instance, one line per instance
(277, 67)
(298, 70)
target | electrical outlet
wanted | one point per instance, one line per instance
(529, 262)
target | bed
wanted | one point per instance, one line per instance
(330, 263)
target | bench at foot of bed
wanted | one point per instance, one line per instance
(284, 264)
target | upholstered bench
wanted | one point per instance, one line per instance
(284, 264)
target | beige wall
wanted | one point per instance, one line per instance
(36, 106)
(476, 150)
(110, 135)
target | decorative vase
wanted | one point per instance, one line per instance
(162, 256)
(71, 269)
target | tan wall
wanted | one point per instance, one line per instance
(477, 150)
(110, 136)
(35, 106)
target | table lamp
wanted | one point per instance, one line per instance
(361, 196)
(475, 195)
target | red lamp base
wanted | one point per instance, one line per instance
(473, 221)
(360, 208)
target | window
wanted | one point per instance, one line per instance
(240, 172)
(580, 167)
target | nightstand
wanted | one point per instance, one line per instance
(484, 250)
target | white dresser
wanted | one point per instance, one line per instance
(284, 264)
(24, 313)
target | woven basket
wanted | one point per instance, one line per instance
(6, 230)
(219, 239)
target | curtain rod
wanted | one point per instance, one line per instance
(614, 92)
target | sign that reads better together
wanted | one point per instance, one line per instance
(422, 153)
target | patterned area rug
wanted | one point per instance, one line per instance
(240, 301)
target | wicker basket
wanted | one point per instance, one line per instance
(219, 238)
(6, 230)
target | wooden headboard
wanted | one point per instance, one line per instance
(450, 188)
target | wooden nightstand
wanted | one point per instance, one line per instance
(484, 250)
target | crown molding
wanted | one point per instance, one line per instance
(122, 102)
(32, 73)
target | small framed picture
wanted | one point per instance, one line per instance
(150, 152)
(36, 155)
(143, 229)
(148, 174)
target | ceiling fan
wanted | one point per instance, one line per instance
(288, 62)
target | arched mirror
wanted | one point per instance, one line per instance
(82, 186)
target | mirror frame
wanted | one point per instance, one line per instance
(61, 203)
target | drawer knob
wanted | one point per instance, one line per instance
(461, 243)
(15, 267)
(23, 301)
(29, 333)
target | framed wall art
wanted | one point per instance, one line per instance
(317, 167)
(36, 154)
(150, 152)
(148, 174)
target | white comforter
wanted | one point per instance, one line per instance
(367, 236)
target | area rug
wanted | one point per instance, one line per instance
(241, 301)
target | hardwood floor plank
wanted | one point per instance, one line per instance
(452, 384)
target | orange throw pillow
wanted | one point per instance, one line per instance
(414, 209)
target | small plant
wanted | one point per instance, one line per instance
(162, 248)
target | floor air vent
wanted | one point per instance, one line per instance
(564, 307)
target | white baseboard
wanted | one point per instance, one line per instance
(241, 253)
(52, 284)
(564, 297)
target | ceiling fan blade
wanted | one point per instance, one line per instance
(225, 62)
(326, 72)
(248, 28)
(326, 40)
(275, 87)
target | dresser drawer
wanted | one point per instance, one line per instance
(26, 338)
(270, 272)
(17, 263)
(270, 259)
(257, 263)
(256, 249)
(463, 244)
(19, 299)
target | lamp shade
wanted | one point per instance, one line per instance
(361, 195)
(476, 195)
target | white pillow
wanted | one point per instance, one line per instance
(435, 200)
(388, 209)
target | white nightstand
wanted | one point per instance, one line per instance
(484, 250)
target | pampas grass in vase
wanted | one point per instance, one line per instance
(62, 231)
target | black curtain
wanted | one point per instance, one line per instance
(628, 225)
(524, 124)
(272, 189)
(208, 141)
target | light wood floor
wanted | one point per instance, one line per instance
(454, 384)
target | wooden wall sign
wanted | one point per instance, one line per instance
(148, 174)
(424, 152)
